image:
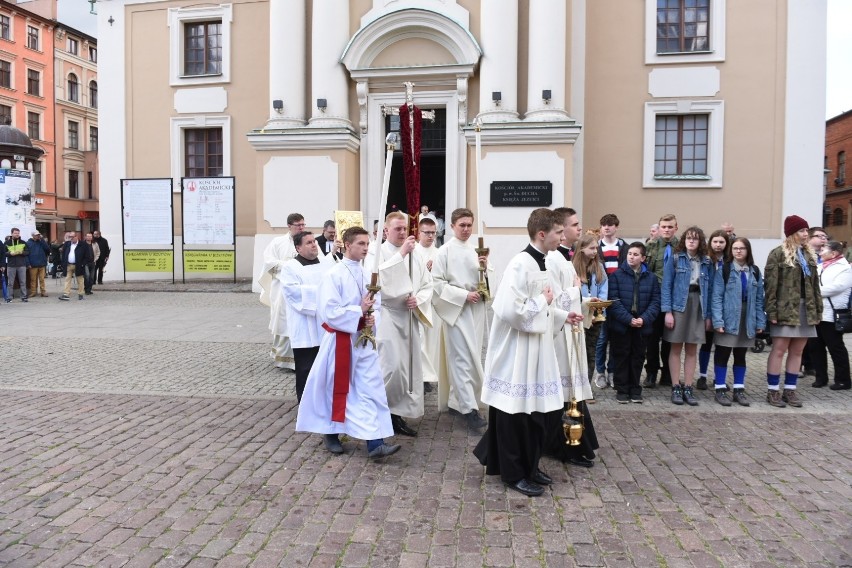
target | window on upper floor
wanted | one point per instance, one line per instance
(73, 184)
(93, 138)
(684, 31)
(683, 26)
(202, 48)
(93, 54)
(74, 135)
(37, 176)
(32, 37)
(90, 179)
(73, 89)
(5, 114)
(683, 143)
(34, 125)
(5, 74)
(73, 46)
(841, 169)
(680, 145)
(93, 94)
(203, 151)
(33, 82)
(5, 27)
(837, 217)
(200, 44)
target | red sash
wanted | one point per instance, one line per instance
(342, 372)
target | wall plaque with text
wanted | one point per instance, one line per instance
(521, 193)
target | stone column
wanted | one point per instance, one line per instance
(546, 69)
(498, 70)
(287, 63)
(329, 81)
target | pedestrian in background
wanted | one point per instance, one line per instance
(717, 246)
(90, 267)
(39, 251)
(835, 282)
(17, 261)
(100, 263)
(76, 255)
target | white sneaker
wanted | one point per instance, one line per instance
(610, 379)
(600, 380)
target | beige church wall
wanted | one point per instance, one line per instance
(752, 87)
(413, 52)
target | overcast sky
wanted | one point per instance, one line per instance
(76, 14)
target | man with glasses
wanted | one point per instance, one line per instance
(275, 256)
(817, 238)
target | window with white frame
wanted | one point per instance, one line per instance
(684, 31)
(5, 114)
(73, 134)
(73, 46)
(5, 27)
(93, 54)
(32, 37)
(200, 44)
(34, 125)
(683, 143)
(73, 93)
(5, 74)
(205, 139)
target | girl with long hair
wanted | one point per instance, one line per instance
(717, 250)
(593, 284)
(686, 305)
(793, 307)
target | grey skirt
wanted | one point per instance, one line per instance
(689, 325)
(801, 330)
(738, 340)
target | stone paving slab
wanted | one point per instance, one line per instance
(149, 449)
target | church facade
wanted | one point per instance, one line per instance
(709, 109)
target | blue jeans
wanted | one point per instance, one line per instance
(600, 352)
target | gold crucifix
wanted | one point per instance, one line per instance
(388, 110)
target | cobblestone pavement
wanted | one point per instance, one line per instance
(151, 429)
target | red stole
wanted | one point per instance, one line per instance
(342, 371)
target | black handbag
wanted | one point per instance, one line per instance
(842, 317)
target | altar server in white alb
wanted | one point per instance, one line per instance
(406, 308)
(430, 353)
(571, 347)
(345, 393)
(455, 272)
(276, 254)
(300, 279)
(522, 382)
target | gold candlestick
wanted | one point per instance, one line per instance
(482, 287)
(366, 334)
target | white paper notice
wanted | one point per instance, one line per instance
(208, 211)
(147, 210)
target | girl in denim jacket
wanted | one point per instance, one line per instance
(717, 249)
(737, 309)
(686, 305)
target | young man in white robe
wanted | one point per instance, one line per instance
(570, 346)
(275, 255)
(522, 380)
(300, 279)
(455, 272)
(406, 308)
(430, 353)
(345, 393)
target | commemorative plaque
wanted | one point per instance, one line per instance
(521, 193)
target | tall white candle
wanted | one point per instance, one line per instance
(478, 189)
(390, 142)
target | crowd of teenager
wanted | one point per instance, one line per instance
(681, 300)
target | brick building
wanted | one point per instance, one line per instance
(838, 185)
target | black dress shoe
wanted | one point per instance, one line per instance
(581, 461)
(383, 451)
(332, 443)
(819, 384)
(400, 426)
(541, 478)
(526, 488)
(840, 386)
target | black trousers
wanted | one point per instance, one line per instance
(99, 265)
(511, 446)
(657, 352)
(303, 360)
(829, 339)
(627, 351)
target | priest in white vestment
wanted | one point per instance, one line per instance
(431, 356)
(345, 393)
(522, 382)
(406, 308)
(300, 279)
(571, 347)
(276, 254)
(455, 273)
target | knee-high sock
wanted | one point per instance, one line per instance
(790, 380)
(721, 373)
(703, 362)
(773, 381)
(739, 377)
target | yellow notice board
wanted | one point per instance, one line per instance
(210, 261)
(148, 260)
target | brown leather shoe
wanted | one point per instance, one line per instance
(791, 398)
(773, 397)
